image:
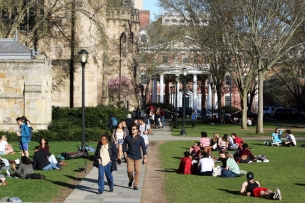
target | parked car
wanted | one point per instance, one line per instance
(269, 110)
(287, 114)
(238, 114)
(168, 114)
(188, 112)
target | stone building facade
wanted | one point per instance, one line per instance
(25, 86)
(31, 87)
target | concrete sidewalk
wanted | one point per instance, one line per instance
(85, 192)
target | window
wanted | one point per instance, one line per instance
(164, 59)
(227, 100)
(228, 80)
(186, 59)
(144, 39)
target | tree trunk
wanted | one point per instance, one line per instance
(244, 110)
(260, 121)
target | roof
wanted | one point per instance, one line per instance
(12, 49)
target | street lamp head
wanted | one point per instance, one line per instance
(184, 72)
(83, 56)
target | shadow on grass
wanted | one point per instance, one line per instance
(300, 184)
(176, 157)
(259, 144)
(230, 191)
(167, 170)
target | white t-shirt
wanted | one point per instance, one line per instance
(142, 128)
(3, 143)
(291, 138)
(206, 164)
(119, 136)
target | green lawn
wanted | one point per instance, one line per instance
(56, 181)
(221, 129)
(284, 171)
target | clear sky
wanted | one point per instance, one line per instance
(152, 6)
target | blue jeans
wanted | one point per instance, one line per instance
(162, 120)
(107, 171)
(50, 167)
(227, 174)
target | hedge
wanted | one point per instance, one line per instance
(66, 124)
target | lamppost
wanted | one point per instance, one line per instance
(172, 102)
(83, 56)
(176, 102)
(184, 73)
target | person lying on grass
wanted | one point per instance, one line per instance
(253, 188)
(185, 165)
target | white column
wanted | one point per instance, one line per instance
(209, 97)
(177, 92)
(195, 92)
(161, 88)
(199, 102)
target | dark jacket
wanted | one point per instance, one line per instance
(113, 154)
(40, 160)
(135, 151)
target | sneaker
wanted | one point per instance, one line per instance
(277, 194)
(266, 160)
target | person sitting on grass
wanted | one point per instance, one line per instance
(206, 165)
(232, 169)
(205, 143)
(194, 149)
(245, 155)
(276, 137)
(41, 162)
(214, 142)
(5, 148)
(24, 169)
(253, 188)
(237, 140)
(291, 142)
(185, 164)
(224, 142)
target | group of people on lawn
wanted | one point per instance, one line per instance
(199, 160)
(42, 158)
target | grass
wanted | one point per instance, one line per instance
(221, 129)
(56, 181)
(285, 171)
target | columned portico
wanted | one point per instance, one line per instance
(193, 98)
(195, 92)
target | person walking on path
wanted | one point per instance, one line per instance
(194, 118)
(105, 157)
(132, 151)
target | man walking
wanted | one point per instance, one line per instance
(105, 160)
(132, 151)
(24, 137)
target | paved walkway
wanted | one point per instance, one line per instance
(85, 192)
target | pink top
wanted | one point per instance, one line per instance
(204, 142)
(193, 148)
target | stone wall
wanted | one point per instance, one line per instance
(25, 89)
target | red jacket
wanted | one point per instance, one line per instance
(239, 141)
(185, 166)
